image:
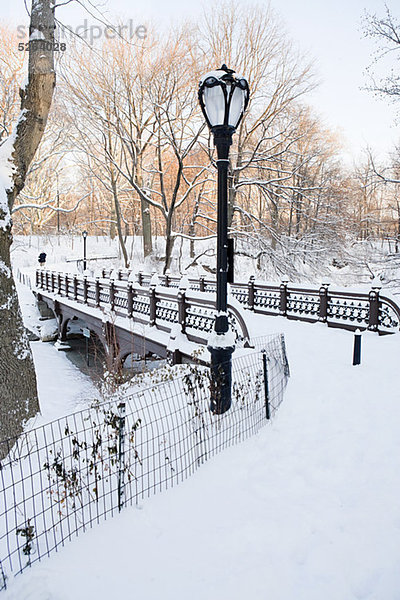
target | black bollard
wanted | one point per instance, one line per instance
(357, 348)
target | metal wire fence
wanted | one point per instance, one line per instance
(61, 478)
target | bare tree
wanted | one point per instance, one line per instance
(385, 31)
(254, 44)
(171, 159)
(89, 106)
(39, 201)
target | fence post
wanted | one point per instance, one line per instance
(266, 389)
(202, 284)
(153, 305)
(251, 293)
(130, 300)
(373, 321)
(75, 281)
(284, 357)
(166, 278)
(323, 302)
(66, 285)
(52, 282)
(47, 280)
(37, 278)
(182, 310)
(3, 581)
(140, 277)
(85, 289)
(59, 283)
(112, 293)
(97, 292)
(121, 455)
(357, 348)
(283, 297)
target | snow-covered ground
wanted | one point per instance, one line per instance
(307, 509)
(62, 387)
(364, 263)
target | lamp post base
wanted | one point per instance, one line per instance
(221, 379)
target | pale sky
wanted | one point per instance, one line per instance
(328, 31)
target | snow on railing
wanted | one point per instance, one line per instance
(340, 308)
(153, 305)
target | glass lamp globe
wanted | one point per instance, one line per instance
(223, 98)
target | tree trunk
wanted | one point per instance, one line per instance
(298, 208)
(192, 224)
(290, 219)
(146, 227)
(274, 223)
(145, 211)
(18, 393)
(117, 209)
(169, 243)
(113, 218)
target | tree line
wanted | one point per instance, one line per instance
(126, 151)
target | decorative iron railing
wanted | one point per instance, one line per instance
(343, 309)
(194, 311)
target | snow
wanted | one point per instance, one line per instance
(5, 181)
(132, 277)
(6, 173)
(307, 509)
(177, 338)
(65, 250)
(4, 270)
(222, 340)
(62, 387)
(5, 165)
(36, 35)
(5, 218)
(184, 283)
(155, 280)
(49, 330)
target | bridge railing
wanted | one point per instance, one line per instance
(343, 309)
(193, 311)
(338, 308)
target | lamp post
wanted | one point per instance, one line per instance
(84, 235)
(58, 209)
(223, 98)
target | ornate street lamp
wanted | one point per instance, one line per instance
(223, 98)
(84, 235)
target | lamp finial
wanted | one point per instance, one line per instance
(225, 68)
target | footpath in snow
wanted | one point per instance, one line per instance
(306, 510)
